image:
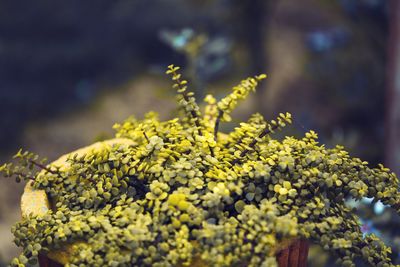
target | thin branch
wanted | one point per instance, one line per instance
(146, 137)
(41, 166)
(254, 142)
(217, 121)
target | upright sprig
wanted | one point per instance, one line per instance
(210, 112)
(240, 92)
(186, 100)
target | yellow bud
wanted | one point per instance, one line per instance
(283, 191)
(176, 223)
(174, 199)
(277, 187)
(184, 217)
(287, 185)
(183, 205)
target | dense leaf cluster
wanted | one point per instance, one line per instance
(178, 191)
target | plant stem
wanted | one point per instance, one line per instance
(146, 137)
(217, 121)
(254, 142)
(41, 166)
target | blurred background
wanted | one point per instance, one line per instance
(70, 69)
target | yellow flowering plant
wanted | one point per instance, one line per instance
(165, 193)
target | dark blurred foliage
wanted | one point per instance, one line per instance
(346, 63)
(54, 54)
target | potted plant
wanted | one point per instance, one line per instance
(179, 192)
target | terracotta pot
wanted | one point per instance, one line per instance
(292, 254)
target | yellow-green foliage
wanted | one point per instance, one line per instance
(182, 190)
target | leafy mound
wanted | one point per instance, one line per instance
(178, 191)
